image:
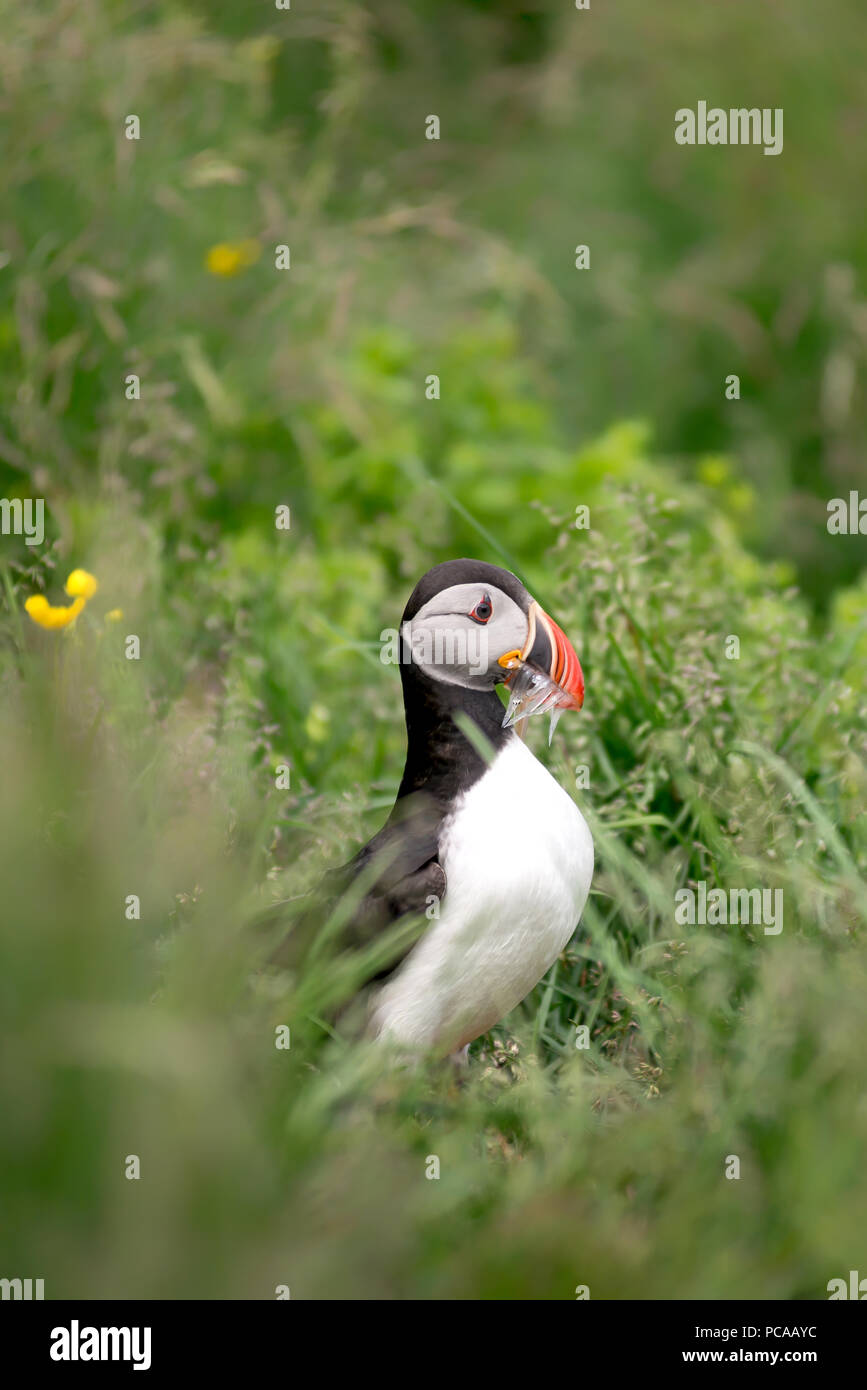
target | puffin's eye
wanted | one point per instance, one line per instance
(483, 609)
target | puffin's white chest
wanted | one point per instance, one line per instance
(518, 860)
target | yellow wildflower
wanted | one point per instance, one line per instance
(47, 616)
(114, 615)
(80, 584)
(230, 257)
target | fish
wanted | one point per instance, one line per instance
(532, 691)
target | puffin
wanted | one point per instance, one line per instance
(482, 843)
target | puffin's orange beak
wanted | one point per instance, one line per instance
(545, 638)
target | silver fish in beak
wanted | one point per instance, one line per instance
(546, 676)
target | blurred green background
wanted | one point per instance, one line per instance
(155, 258)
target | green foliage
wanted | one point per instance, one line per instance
(559, 1165)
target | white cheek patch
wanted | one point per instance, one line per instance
(448, 645)
(442, 650)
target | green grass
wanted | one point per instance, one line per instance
(559, 1166)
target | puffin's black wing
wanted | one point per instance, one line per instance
(395, 875)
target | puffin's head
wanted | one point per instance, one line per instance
(472, 624)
